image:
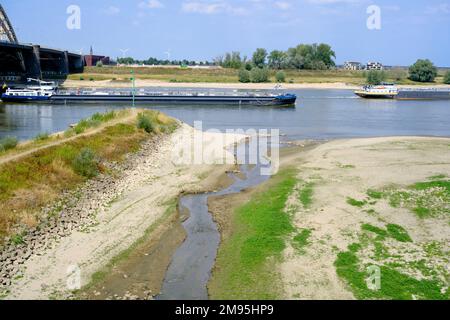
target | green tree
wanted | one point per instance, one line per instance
(311, 56)
(325, 54)
(423, 71)
(258, 75)
(277, 59)
(232, 60)
(375, 77)
(259, 58)
(99, 64)
(447, 77)
(244, 76)
(280, 76)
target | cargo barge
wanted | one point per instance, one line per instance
(390, 91)
(46, 93)
(167, 98)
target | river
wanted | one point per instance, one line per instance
(319, 114)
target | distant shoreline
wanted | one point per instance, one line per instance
(207, 85)
(219, 85)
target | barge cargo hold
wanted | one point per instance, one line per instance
(255, 100)
(423, 94)
(390, 91)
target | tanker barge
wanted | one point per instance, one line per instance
(179, 98)
(46, 93)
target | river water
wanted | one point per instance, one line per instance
(319, 114)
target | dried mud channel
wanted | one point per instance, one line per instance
(190, 269)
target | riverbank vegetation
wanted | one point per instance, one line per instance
(423, 71)
(447, 77)
(7, 143)
(245, 263)
(33, 180)
(121, 75)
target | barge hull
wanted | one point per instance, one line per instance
(228, 100)
(424, 95)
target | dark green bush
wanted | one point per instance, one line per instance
(244, 76)
(8, 143)
(280, 76)
(376, 77)
(42, 137)
(86, 163)
(447, 77)
(259, 75)
(144, 122)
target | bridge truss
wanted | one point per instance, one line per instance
(6, 29)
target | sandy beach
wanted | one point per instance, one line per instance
(207, 85)
(70, 84)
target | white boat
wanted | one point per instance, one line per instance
(382, 91)
(41, 92)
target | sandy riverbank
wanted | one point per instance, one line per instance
(237, 86)
(137, 207)
(359, 192)
(208, 85)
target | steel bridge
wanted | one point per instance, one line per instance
(19, 61)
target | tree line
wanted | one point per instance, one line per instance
(304, 56)
(166, 62)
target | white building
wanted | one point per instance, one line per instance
(374, 66)
(352, 65)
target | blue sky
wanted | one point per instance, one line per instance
(199, 29)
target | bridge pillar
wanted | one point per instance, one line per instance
(35, 68)
(65, 63)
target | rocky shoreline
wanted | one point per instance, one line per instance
(76, 211)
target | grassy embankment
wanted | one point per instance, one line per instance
(63, 162)
(246, 266)
(123, 74)
(245, 263)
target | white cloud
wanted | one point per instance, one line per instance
(112, 11)
(334, 1)
(283, 5)
(443, 8)
(151, 4)
(212, 7)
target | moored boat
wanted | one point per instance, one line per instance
(33, 93)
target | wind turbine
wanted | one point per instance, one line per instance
(168, 54)
(124, 51)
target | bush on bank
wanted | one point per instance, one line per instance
(8, 143)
